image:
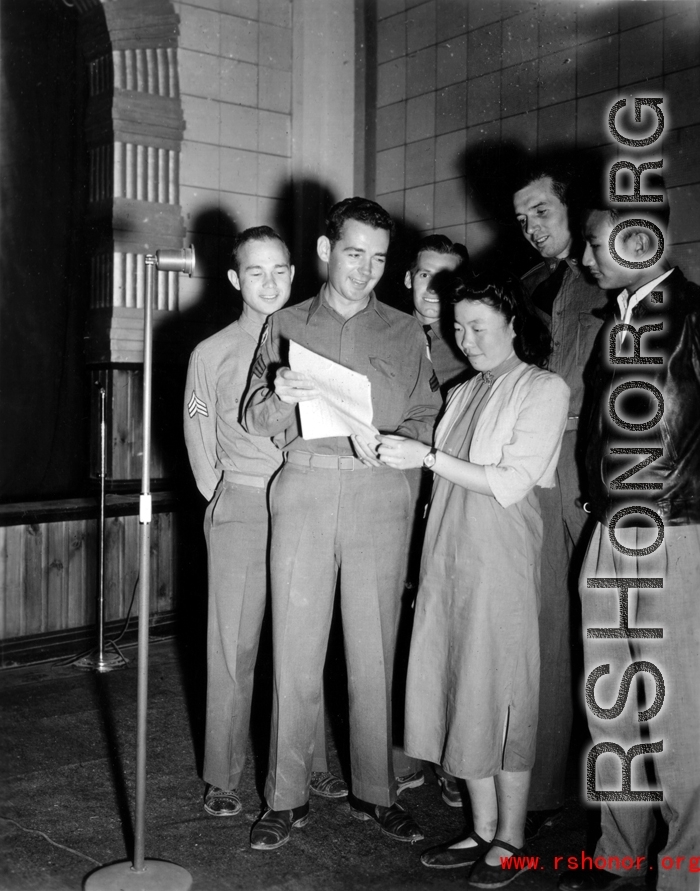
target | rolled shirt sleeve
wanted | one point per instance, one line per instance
(264, 412)
(530, 457)
(424, 400)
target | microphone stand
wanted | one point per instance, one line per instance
(142, 874)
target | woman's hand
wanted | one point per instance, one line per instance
(401, 453)
(365, 451)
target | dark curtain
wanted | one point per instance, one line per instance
(44, 385)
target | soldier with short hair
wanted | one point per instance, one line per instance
(233, 469)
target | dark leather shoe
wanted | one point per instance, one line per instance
(445, 857)
(596, 880)
(274, 827)
(394, 821)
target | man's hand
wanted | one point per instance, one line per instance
(401, 453)
(292, 387)
(365, 451)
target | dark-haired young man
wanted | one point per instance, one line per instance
(233, 469)
(336, 513)
(572, 307)
(433, 255)
(662, 706)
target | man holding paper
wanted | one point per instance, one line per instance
(334, 512)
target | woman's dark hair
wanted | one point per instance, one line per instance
(505, 294)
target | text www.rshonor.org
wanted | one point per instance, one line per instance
(612, 864)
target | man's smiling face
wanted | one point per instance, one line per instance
(264, 277)
(543, 217)
(426, 302)
(355, 264)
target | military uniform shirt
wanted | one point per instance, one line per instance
(380, 342)
(577, 316)
(217, 377)
(450, 364)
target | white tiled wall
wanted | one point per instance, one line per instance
(453, 74)
(235, 65)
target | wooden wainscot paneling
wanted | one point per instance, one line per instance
(49, 564)
(124, 446)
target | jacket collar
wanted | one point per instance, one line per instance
(644, 306)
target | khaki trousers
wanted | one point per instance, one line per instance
(237, 529)
(324, 523)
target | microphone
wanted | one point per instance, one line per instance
(173, 260)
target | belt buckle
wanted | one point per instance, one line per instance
(346, 462)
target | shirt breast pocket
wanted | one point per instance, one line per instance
(386, 368)
(390, 386)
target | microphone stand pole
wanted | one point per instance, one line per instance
(146, 875)
(98, 660)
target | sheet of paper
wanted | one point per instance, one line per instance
(345, 405)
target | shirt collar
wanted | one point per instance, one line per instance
(373, 305)
(552, 262)
(434, 326)
(627, 302)
(508, 364)
(250, 326)
(314, 307)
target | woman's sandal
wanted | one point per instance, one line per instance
(486, 876)
(445, 857)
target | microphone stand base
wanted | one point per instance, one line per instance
(108, 661)
(157, 875)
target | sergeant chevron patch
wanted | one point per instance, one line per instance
(195, 406)
(258, 366)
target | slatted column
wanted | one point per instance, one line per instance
(134, 127)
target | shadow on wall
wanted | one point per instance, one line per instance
(391, 288)
(218, 303)
(493, 172)
(303, 206)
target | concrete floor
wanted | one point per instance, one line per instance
(68, 769)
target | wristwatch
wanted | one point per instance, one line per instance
(429, 460)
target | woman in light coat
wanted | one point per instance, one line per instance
(473, 677)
